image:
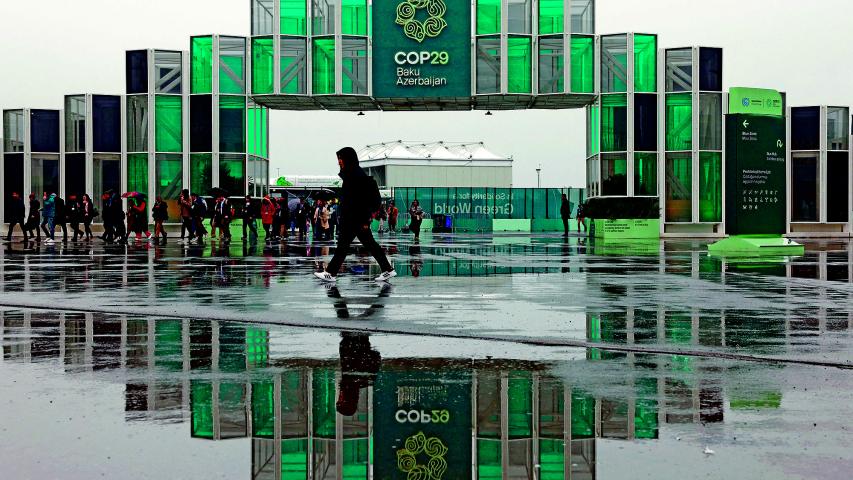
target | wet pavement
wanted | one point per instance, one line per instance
(490, 357)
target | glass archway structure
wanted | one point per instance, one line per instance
(422, 54)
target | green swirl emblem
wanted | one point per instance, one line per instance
(429, 28)
(433, 448)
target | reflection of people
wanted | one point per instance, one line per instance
(416, 264)
(359, 361)
(359, 365)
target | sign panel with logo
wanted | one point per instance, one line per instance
(756, 101)
(755, 175)
(421, 48)
(422, 425)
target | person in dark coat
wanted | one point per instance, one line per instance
(74, 215)
(565, 214)
(60, 219)
(89, 212)
(17, 213)
(302, 217)
(250, 220)
(160, 214)
(33, 219)
(360, 198)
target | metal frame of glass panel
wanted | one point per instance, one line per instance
(822, 226)
(673, 79)
(24, 126)
(623, 80)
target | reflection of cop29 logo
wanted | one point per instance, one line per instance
(414, 28)
(431, 450)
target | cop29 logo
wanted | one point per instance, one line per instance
(420, 30)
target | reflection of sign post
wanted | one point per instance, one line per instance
(421, 48)
(755, 164)
(422, 425)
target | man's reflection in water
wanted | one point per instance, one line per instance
(417, 263)
(360, 363)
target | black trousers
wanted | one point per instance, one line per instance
(12, 225)
(345, 238)
(566, 226)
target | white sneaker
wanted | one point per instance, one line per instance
(49, 242)
(326, 277)
(386, 276)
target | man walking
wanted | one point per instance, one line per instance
(17, 213)
(566, 214)
(48, 214)
(360, 198)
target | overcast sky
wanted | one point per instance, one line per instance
(50, 48)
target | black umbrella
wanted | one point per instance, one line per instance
(323, 194)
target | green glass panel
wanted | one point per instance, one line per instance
(170, 174)
(645, 63)
(137, 172)
(646, 409)
(168, 349)
(253, 124)
(232, 348)
(710, 187)
(354, 64)
(645, 174)
(232, 124)
(489, 463)
(520, 393)
(488, 17)
(519, 64)
(294, 459)
(614, 123)
(293, 65)
(552, 459)
(257, 347)
(614, 174)
(323, 68)
(201, 405)
(168, 123)
(593, 130)
(354, 17)
(614, 64)
(232, 65)
(679, 187)
(201, 173)
(551, 16)
(355, 459)
(551, 65)
(263, 409)
(262, 65)
(201, 52)
(265, 130)
(294, 17)
(232, 173)
(583, 64)
(324, 403)
(679, 121)
(583, 416)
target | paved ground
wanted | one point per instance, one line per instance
(108, 355)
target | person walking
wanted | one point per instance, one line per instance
(360, 198)
(565, 213)
(88, 212)
(48, 217)
(302, 218)
(160, 213)
(199, 211)
(223, 214)
(416, 218)
(17, 215)
(333, 218)
(267, 215)
(581, 216)
(282, 219)
(33, 219)
(117, 208)
(137, 219)
(250, 216)
(382, 216)
(186, 215)
(60, 217)
(321, 221)
(393, 215)
(75, 216)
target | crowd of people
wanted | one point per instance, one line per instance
(200, 218)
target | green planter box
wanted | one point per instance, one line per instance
(626, 229)
(511, 225)
(552, 225)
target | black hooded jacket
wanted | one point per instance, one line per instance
(360, 197)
